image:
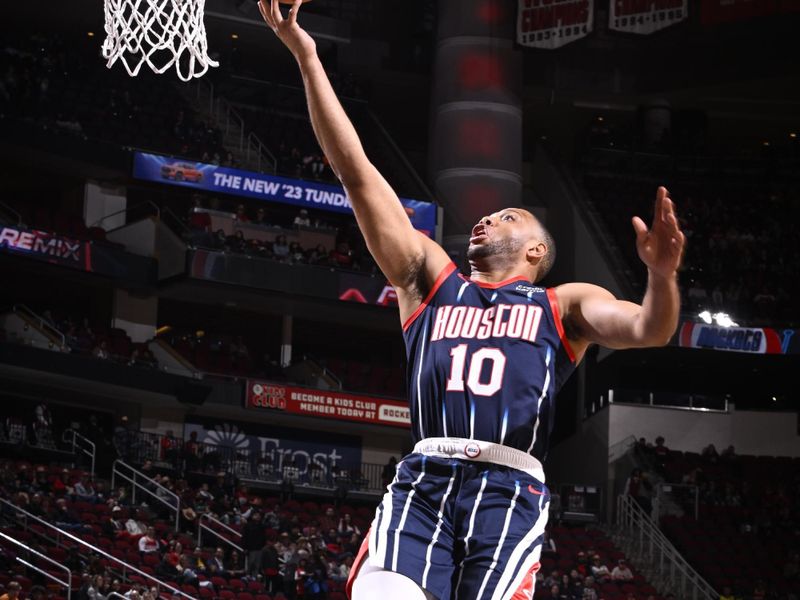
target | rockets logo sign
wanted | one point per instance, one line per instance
(42, 245)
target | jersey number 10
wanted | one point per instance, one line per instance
(455, 383)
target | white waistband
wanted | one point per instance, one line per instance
(480, 451)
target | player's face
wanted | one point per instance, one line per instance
(504, 233)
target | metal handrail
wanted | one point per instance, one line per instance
(75, 437)
(201, 527)
(67, 584)
(116, 472)
(647, 539)
(125, 566)
(127, 210)
(25, 312)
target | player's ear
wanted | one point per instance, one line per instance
(537, 249)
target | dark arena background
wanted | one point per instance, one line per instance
(192, 331)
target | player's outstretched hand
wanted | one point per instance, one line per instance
(288, 31)
(660, 247)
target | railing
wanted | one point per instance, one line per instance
(253, 465)
(127, 210)
(28, 315)
(67, 584)
(677, 401)
(80, 444)
(644, 542)
(201, 527)
(23, 515)
(144, 483)
(233, 126)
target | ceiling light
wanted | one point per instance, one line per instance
(234, 36)
(793, 135)
(90, 33)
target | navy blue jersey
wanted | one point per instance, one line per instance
(485, 362)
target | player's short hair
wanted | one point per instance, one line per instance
(549, 258)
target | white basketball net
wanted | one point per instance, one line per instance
(158, 33)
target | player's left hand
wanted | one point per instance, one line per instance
(660, 247)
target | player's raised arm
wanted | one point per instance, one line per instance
(597, 317)
(405, 256)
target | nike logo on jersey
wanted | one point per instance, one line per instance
(519, 321)
(534, 491)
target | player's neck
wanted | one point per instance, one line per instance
(486, 273)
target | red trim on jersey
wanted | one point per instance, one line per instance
(499, 284)
(526, 588)
(434, 288)
(360, 558)
(551, 295)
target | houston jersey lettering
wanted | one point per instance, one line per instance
(485, 362)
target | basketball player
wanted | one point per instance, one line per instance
(465, 514)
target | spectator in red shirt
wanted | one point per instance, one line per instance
(342, 256)
(241, 214)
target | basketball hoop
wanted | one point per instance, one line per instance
(161, 33)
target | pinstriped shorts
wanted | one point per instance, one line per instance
(461, 529)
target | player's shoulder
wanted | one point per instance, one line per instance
(574, 292)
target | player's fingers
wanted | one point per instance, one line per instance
(294, 10)
(658, 209)
(265, 14)
(275, 11)
(639, 227)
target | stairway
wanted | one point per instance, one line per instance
(247, 149)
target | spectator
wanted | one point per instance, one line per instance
(600, 571)
(342, 256)
(261, 218)
(216, 564)
(241, 214)
(12, 591)
(727, 593)
(253, 539)
(302, 219)
(346, 525)
(280, 248)
(148, 543)
(101, 351)
(170, 447)
(84, 490)
(621, 572)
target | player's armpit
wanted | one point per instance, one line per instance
(597, 317)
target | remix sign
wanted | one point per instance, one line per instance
(551, 24)
(645, 16)
(327, 404)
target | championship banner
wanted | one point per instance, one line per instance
(339, 406)
(757, 340)
(645, 16)
(551, 24)
(271, 188)
(279, 446)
